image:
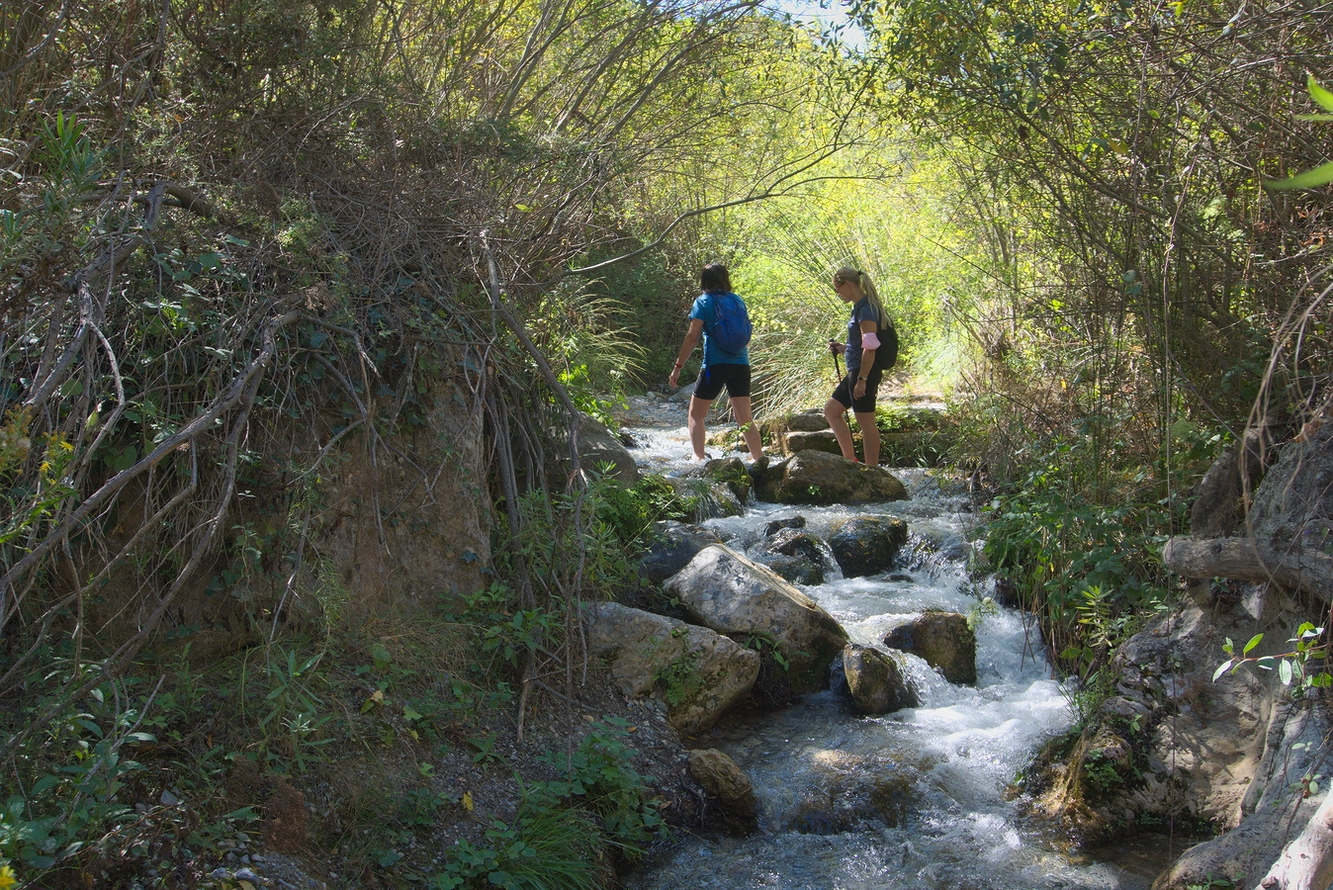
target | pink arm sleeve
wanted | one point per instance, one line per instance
(870, 340)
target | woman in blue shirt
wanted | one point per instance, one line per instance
(720, 369)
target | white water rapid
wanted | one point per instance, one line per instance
(921, 798)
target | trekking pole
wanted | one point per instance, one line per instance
(837, 370)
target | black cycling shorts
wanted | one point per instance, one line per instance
(865, 404)
(736, 378)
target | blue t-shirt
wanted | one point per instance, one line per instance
(704, 310)
(862, 311)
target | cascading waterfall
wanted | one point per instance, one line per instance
(920, 798)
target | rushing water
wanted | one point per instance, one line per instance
(921, 798)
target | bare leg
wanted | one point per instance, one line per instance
(835, 413)
(869, 437)
(740, 406)
(698, 411)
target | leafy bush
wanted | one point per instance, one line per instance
(1091, 571)
(562, 824)
(546, 849)
(631, 511)
(598, 775)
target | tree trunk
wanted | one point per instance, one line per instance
(1307, 862)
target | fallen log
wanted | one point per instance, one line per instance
(1252, 559)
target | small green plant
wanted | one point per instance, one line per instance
(762, 642)
(1296, 665)
(631, 511)
(978, 612)
(680, 680)
(1212, 883)
(74, 800)
(484, 750)
(1101, 773)
(293, 706)
(1093, 570)
(1308, 784)
(421, 806)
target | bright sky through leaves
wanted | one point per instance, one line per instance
(822, 17)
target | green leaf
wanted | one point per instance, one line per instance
(1319, 94)
(1254, 641)
(1321, 175)
(1284, 672)
(1222, 668)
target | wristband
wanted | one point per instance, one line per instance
(862, 379)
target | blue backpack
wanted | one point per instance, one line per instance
(730, 330)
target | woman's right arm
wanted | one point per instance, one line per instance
(686, 347)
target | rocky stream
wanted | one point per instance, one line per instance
(924, 796)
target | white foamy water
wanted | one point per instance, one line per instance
(915, 799)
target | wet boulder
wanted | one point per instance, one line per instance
(813, 477)
(808, 421)
(778, 525)
(719, 487)
(796, 555)
(671, 546)
(795, 569)
(747, 601)
(730, 473)
(876, 681)
(851, 791)
(723, 778)
(943, 640)
(818, 440)
(796, 542)
(697, 673)
(867, 545)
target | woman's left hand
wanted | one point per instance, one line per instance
(859, 389)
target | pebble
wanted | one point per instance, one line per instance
(246, 874)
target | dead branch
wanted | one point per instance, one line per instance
(234, 395)
(121, 658)
(1251, 559)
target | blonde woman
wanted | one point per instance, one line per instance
(870, 350)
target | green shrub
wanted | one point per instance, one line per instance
(599, 776)
(630, 511)
(546, 849)
(1090, 570)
